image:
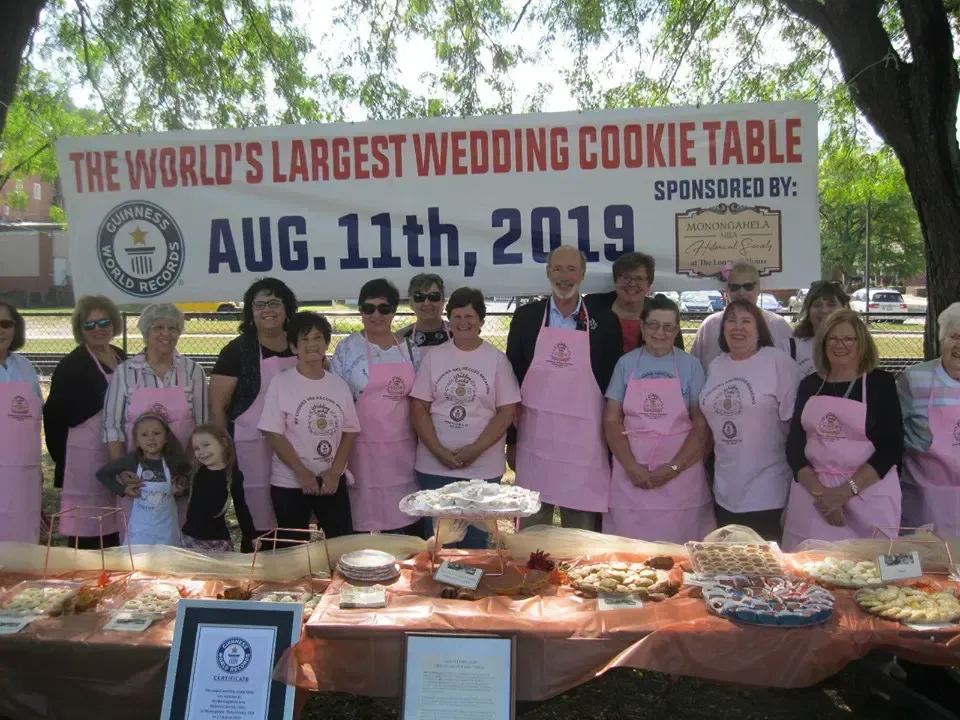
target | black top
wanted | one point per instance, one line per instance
(240, 358)
(609, 298)
(428, 338)
(884, 421)
(109, 474)
(76, 394)
(206, 516)
(606, 342)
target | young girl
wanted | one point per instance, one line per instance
(216, 479)
(150, 504)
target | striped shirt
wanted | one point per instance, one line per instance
(914, 387)
(134, 373)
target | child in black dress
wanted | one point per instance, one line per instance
(216, 480)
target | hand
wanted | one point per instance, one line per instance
(132, 490)
(640, 476)
(512, 457)
(832, 499)
(467, 454)
(326, 363)
(836, 518)
(128, 478)
(448, 458)
(308, 482)
(809, 481)
(661, 476)
(330, 481)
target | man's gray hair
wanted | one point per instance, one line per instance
(948, 320)
(155, 312)
(583, 255)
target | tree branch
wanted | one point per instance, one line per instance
(523, 11)
(84, 17)
(809, 10)
(7, 175)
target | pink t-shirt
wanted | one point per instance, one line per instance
(706, 345)
(312, 415)
(464, 389)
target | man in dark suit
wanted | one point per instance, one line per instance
(563, 350)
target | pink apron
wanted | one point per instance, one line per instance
(170, 403)
(21, 480)
(561, 452)
(837, 445)
(253, 453)
(381, 461)
(657, 423)
(461, 411)
(86, 453)
(931, 487)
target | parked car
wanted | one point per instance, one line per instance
(766, 301)
(882, 300)
(716, 299)
(696, 301)
(672, 294)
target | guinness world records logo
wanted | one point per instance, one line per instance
(233, 655)
(141, 248)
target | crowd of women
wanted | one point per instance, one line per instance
(792, 431)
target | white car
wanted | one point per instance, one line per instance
(766, 301)
(695, 302)
(882, 300)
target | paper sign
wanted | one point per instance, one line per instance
(12, 625)
(458, 575)
(611, 601)
(128, 623)
(899, 566)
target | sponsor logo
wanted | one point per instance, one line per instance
(322, 420)
(141, 248)
(652, 404)
(19, 409)
(324, 448)
(561, 353)
(729, 403)
(729, 430)
(460, 389)
(458, 413)
(396, 388)
(234, 655)
(830, 425)
(160, 411)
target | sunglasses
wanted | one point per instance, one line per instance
(103, 323)
(431, 296)
(736, 287)
(7, 324)
(382, 308)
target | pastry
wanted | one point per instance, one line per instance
(154, 600)
(618, 577)
(909, 605)
(472, 497)
(760, 559)
(768, 600)
(43, 600)
(844, 573)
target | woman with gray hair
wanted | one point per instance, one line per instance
(160, 381)
(426, 297)
(930, 403)
(73, 422)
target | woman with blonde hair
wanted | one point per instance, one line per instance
(73, 418)
(846, 440)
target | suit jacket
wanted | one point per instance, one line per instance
(606, 342)
(608, 300)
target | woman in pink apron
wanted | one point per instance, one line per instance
(311, 423)
(426, 297)
(823, 298)
(73, 420)
(21, 480)
(657, 433)
(930, 403)
(846, 439)
(464, 399)
(748, 401)
(238, 386)
(379, 370)
(160, 381)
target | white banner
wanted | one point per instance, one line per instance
(194, 216)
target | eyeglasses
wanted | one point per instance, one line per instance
(845, 341)
(274, 304)
(102, 323)
(653, 326)
(736, 287)
(7, 324)
(434, 296)
(382, 308)
(633, 280)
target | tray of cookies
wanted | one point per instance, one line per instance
(152, 598)
(620, 578)
(38, 597)
(843, 573)
(731, 559)
(910, 605)
(774, 601)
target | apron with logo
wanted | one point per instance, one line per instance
(657, 423)
(21, 479)
(254, 454)
(561, 452)
(383, 453)
(171, 404)
(837, 445)
(86, 453)
(461, 411)
(751, 472)
(931, 486)
(153, 515)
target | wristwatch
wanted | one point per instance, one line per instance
(853, 488)
(675, 469)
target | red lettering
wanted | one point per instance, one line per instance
(559, 152)
(378, 146)
(341, 158)
(318, 159)
(536, 149)
(775, 156)
(110, 161)
(479, 152)
(298, 161)
(756, 154)
(732, 149)
(672, 144)
(168, 167)
(633, 146)
(77, 159)
(254, 152)
(655, 156)
(360, 157)
(712, 127)
(458, 138)
(94, 172)
(430, 153)
(205, 179)
(687, 144)
(587, 134)
(398, 141)
(518, 147)
(502, 152)
(610, 147)
(140, 170)
(188, 170)
(793, 141)
(278, 177)
(224, 166)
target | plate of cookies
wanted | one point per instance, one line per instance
(731, 559)
(621, 578)
(844, 573)
(910, 605)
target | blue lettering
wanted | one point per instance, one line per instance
(353, 261)
(265, 264)
(437, 231)
(294, 255)
(413, 231)
(582, 216)
(222, 248)
(511, 218)
(551, 216)
(618, 225)
(387, 259)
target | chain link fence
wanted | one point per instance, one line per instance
(50, 337)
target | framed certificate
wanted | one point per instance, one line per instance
(470, 677)
(223, 657)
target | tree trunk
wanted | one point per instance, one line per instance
(18, 18)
